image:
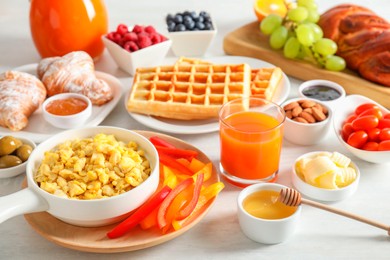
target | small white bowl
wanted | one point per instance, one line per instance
(350, 103)
(70, 121)
(321, 194)
(303, 133)
(266, 231)
(87, 213)
(192, 43)
(21, 168)
(146, 57)
(326, 85)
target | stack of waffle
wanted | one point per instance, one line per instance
(196, 89)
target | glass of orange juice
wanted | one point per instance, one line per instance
(251, 134)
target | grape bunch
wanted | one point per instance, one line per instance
(300, 37)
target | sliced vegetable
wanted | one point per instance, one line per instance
(160, 142)
(134, 219)
(194, 200)
(196, 165)
(179, 153)
(172, 163)
(161, 214)
(150, 220)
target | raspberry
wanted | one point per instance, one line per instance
(130, 36)
(130, 46)
(150, 29)
(110, 36)
(144, 41)
(122, 29)
(138, 29)
(117, 37)
(155, 38)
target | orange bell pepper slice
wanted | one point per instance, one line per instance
(172, 163)
(196, 165)
(194, 200)
(150, 220)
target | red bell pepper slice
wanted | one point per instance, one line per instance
(161, 220)
(195, 197)
(140, 213)
(180, 153)
(172, 163)
(160, 142)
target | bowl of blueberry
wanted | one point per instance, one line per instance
(137, 46)
(191, 32)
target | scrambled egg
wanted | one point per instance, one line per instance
(92, 168)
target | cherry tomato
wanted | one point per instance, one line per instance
(384, 123)
(384, 134)
(357, 139)
(350, 118)
(384, 146)
(372, 111)
(365, 123)
(386, 116)
(346, 131)
(364, 107)
(373, 134)
(370, 146)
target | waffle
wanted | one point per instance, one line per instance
(264, 81)
(187, 91)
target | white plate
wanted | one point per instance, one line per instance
(39, 130)
(209, 125)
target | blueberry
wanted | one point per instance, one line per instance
(178, 18)
(204, 14)
(193, 14)
(200, 25)
(207, 19)
(208, 26)
(180, 28)
(199, 19)
(190, 24)
(169, 18)
(187, 18)
(171, 26)
(186, 13)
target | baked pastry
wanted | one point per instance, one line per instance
(363, 40)
(75, 73)
(187, 91)
(20, 95)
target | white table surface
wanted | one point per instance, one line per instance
(321, 235)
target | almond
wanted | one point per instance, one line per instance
(289, 114)
(300, 120)
(318, 114)
(308, 117)
(296, 111)
(291, 106)
(308, 103)
(308, 110)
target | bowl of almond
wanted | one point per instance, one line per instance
(307, 121)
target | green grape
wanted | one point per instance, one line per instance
(269, 24)
(305, 34)
(334, 63)
(313, 16)
(318, 33)
(278, 37)
(298, 14)
(325, 47)
(309, 4)
(292, 48)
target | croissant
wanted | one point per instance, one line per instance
(363, 40)
(20, 95)
(74, 72)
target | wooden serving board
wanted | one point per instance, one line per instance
(249, 41)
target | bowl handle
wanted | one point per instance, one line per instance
(21, 202)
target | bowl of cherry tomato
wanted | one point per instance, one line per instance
(363, 126)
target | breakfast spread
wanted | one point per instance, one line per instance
(92, 168)
(326, 170)
(75, 73)
(20, 94)
(363, 40)
(13, 151)
(67, 106)
(187, 91)
(306, 111)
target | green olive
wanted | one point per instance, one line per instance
(8, 144)
(7, 161)
(24, 152)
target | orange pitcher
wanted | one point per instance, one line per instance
(59, 27)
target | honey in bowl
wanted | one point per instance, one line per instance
(66, 107)
(264, 204)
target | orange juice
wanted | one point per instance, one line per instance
(264, 204)
(251, 143)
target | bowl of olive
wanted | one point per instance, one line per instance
(14, 153)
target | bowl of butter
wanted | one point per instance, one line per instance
(325, 176)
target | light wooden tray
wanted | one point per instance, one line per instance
(249, 41)
(95, 239)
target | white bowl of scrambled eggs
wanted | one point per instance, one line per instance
(90, 176)
(325, 176)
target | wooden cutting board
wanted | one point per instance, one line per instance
(249, 41)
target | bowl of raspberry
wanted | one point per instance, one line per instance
(141, 46)
(191, 33)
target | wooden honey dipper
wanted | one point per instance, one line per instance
(291, 197)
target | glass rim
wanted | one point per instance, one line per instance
(223, 121)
